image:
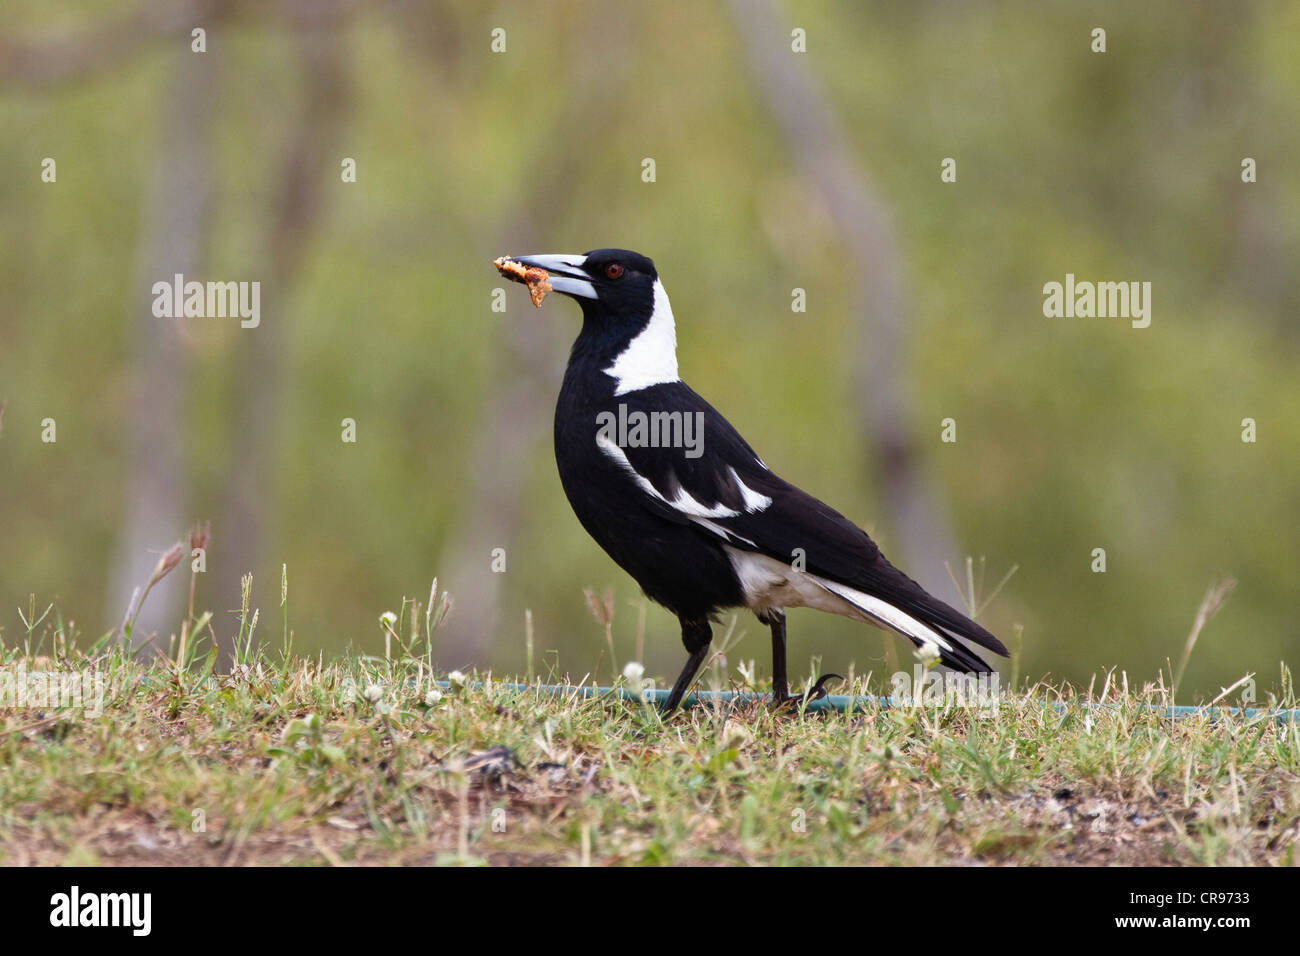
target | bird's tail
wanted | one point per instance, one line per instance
(929, 623)
(960, 657)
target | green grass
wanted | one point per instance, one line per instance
(277, 758)
(362, 761)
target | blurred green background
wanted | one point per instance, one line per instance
(1073, 434)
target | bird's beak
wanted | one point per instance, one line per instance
(567, 274)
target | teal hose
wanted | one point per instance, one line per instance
(840, 703)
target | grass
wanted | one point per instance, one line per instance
(365, 761)
(368, 760)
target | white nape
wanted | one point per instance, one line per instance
(651, 357)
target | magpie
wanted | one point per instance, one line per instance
(684, 505)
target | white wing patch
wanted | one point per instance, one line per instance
(722, 532)
(753, 500)
(651, 357)
(683, 501)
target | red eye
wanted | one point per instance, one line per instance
(614, 271)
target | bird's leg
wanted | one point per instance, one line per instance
(696, 635)
(775, 619)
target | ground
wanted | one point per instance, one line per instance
(369, 761)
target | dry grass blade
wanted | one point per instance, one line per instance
(1211, 604)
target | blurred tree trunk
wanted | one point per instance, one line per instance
(516, 419)
(107, 44)
(176, 222)
(259, 365)
(813, 134)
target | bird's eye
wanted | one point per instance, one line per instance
(614, 271)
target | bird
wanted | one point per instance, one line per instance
(682, 503)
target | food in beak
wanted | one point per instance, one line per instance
(531, 276)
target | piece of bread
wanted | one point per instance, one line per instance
(536, 279)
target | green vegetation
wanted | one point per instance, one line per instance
(369, 759)
(1073, 434)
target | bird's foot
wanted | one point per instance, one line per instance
(816, 692)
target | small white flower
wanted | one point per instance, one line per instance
(388, 619)
(432, 697)
(457, 680)
(640, 685)
(373, 693)
(927, 654)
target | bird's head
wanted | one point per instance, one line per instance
(628, 329)
(616, 283)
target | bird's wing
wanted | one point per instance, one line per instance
(721, 486)
(686, 459)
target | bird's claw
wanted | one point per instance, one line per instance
(819, 689)
(816, 692)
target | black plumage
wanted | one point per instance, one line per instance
(700, 521)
